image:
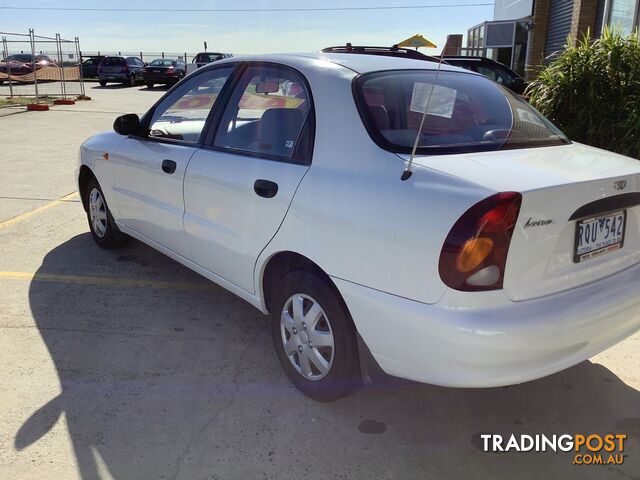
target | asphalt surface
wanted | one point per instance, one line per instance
(126, 365)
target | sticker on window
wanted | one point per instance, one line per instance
(441, 103)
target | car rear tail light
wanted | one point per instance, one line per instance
(125, 68)
(474, 255)
(171, 71)
(144, 70)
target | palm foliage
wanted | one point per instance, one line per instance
(592, 92)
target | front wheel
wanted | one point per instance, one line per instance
(103, 83)
(150, 84)
(103, 229)
(314, 337)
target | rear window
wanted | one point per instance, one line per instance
(462, 113)
(161, 63)
(209, 57)
(113, 61)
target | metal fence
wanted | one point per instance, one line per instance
(40, 67)
(144, 56)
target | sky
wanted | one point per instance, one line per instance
(241, 32)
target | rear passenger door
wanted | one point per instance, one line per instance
(239, 186)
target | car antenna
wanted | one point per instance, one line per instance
(406, 175)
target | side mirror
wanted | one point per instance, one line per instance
(128, 124)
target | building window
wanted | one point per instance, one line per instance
(622, 14)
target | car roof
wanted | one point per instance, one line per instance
(358, 63)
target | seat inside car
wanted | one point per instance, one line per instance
(278, 131)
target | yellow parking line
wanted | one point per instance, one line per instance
(108, 281)
(35, 211)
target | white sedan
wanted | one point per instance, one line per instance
(385, 211)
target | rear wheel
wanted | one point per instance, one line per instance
(150, 84)
(103, 83)
(132, 80)
(314, 337)
(103, 229)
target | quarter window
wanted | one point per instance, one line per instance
(182, 115)
(268, 115)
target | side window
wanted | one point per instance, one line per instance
(269, 114)
(181, 116)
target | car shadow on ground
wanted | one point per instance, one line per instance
(179, 380)
(156, 88)
(113, 86)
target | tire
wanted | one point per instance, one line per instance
(150, 84)
(103, 83)
(103, 229)
(332, 332)
(131, 81)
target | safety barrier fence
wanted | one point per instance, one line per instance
(40, 67)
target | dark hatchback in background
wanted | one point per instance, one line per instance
(164, 71)
(90, 67)
(117, 69)
(491, 69)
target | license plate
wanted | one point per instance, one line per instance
(155, 71)
(599, 235)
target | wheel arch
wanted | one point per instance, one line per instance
(283, 262)
(84, 176)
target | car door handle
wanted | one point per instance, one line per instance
(168, 166)
(265, 188)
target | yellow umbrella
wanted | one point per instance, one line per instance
(417, 41)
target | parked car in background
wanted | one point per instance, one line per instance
(14, 68)
(23, 64)
(90, 67)
(496, 71)
(40, 60)
(203, 58)
(119, 69)
(164, 71)
(505, 253)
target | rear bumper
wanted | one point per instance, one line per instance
(160, 79)
(113, 77)
(485, 339)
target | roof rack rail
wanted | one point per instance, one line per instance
(393, 51)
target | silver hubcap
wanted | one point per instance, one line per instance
(97, 213)
(307, 337)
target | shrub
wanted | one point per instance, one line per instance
(592, 92)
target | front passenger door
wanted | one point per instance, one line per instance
(149, 171)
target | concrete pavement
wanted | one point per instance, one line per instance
(126, 365)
